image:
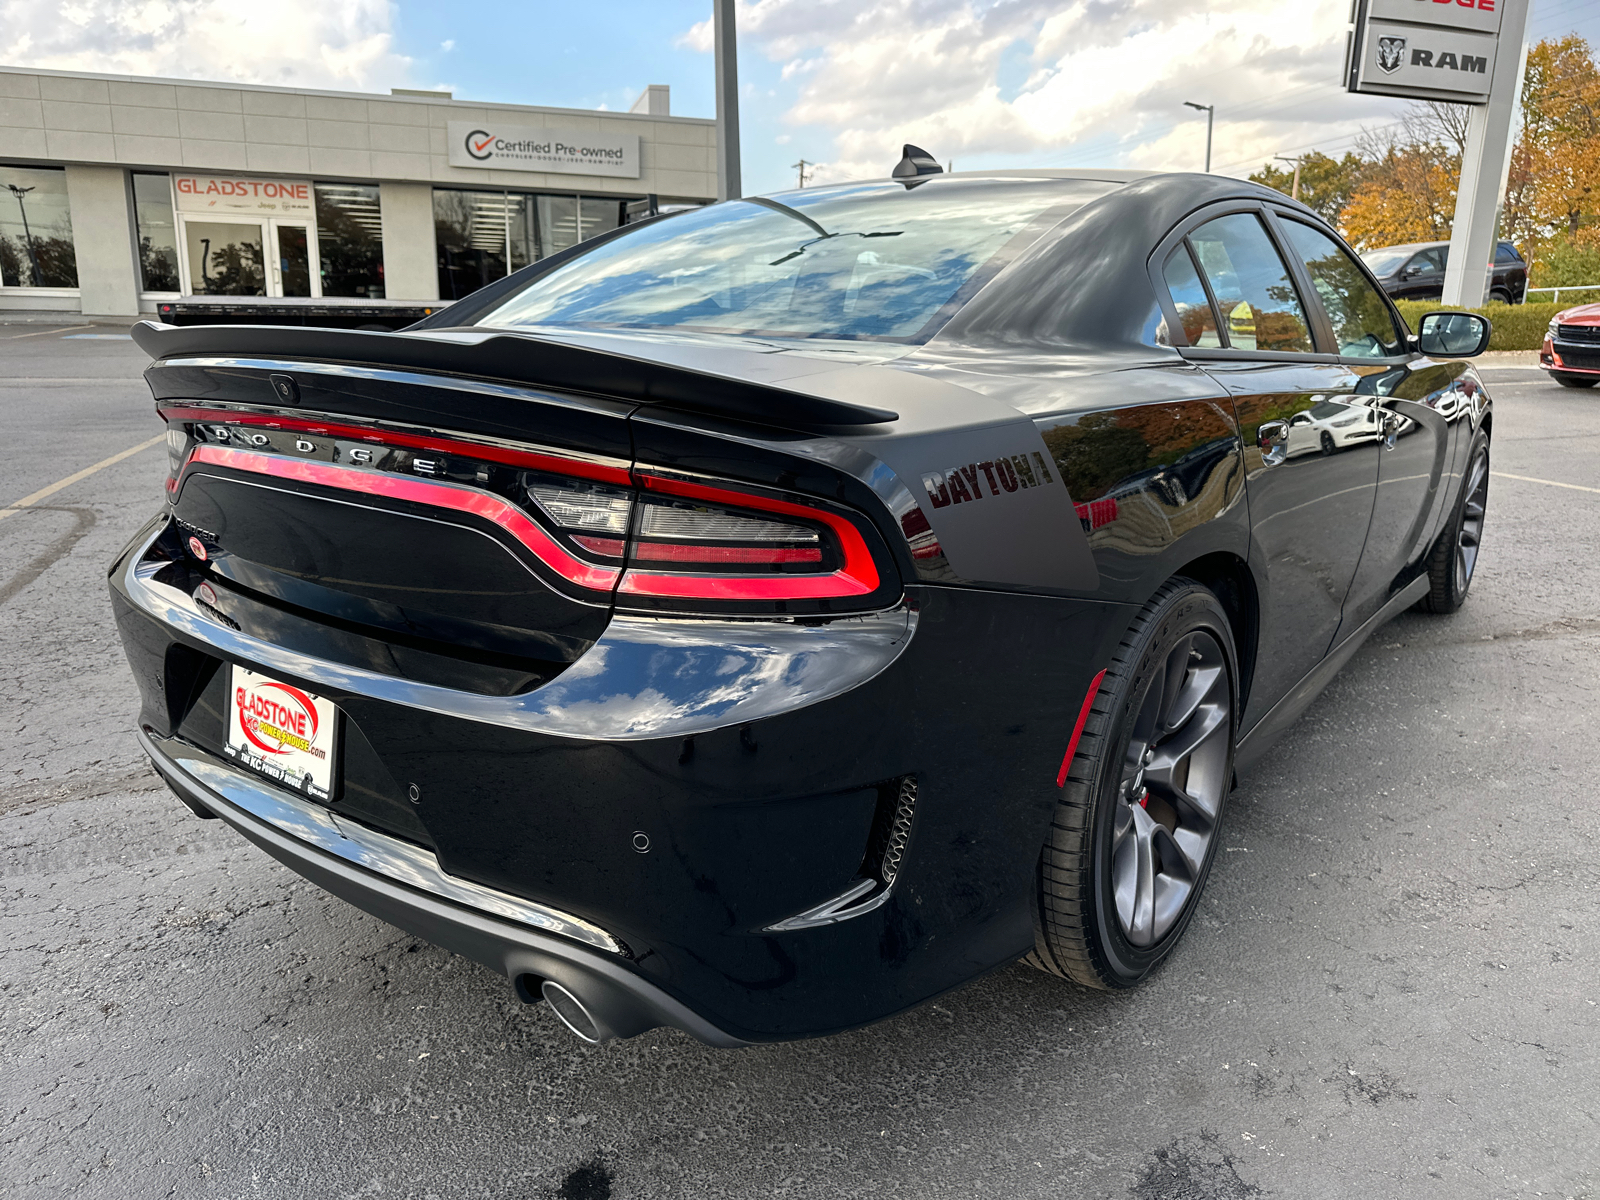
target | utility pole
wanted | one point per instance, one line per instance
(1294, 190)
(801, 167)
(1210, 111)
(727, 53)
(1484, 166)
(27, 234)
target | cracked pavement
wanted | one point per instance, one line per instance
(1391, 987)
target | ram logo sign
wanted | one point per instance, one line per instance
(1413, 59)
(1391, 54)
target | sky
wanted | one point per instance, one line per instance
(839, 83)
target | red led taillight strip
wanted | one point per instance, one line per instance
(857, 577)
(1077, 730)
(419, 491)
(485, 451)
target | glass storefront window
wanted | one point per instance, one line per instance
(484, 236)
(226, 258)
(157, 232)
(601, 214)
(36, 247)
(350, 240)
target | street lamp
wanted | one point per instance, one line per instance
(27, 234)
(1210, 111)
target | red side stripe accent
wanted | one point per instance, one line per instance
(483, 451)
(858, 576)
(1077, 730)
(420, 491)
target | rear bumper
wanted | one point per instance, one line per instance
(707, 794)
(403, 885)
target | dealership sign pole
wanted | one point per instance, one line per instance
(727, 52)
(1461, 52)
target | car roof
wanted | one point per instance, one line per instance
(1107, 174)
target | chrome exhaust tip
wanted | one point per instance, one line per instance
(573, 1014)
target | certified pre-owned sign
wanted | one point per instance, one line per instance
(526, 148)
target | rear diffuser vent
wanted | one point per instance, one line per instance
(891, 829)
(886, 849)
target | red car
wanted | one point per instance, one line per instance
(1571, 350)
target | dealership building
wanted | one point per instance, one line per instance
(118, 193)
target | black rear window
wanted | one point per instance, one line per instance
(873, 261)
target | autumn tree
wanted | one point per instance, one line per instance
(1407, 191)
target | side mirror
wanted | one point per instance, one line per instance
(1453, 334)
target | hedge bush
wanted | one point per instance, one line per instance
(1516, 326)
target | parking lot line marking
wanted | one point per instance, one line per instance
(11, 337)
(45, 493)
(1577, 487)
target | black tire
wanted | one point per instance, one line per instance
(1454, 559)
(1081, 933)
(1575, 381)
(1499, 296)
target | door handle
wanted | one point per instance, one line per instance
(1272, 439)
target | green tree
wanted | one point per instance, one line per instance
(1326, 184)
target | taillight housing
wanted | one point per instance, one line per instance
(689, 544)
(649, 538)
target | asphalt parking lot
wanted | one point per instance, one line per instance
(1392, 987)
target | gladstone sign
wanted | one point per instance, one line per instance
(532, 148)
(237, 194)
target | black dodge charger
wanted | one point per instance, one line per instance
(763, 618)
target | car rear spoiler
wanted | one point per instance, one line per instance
(513, 358)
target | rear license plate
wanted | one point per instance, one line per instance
(286, 734)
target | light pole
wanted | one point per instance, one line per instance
(727, 52)
(1294, 190)
(801, 167)
(1210, 111)
(27, 234)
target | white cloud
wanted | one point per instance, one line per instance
(698, 37)
(1103, 81)
(448, 45)
(301, 43)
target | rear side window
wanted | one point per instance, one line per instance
(1195, 314)
(1362, 327)
(1257, 299)
(1506, 254)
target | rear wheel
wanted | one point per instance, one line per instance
(1575, 381)
(1455, 557)
(1500, 296)
(1135, 828)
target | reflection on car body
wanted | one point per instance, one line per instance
(1326, 427)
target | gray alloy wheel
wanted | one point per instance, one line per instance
(1454, 558)
(1170, 796)
(1135, 827)
(1470, 533)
